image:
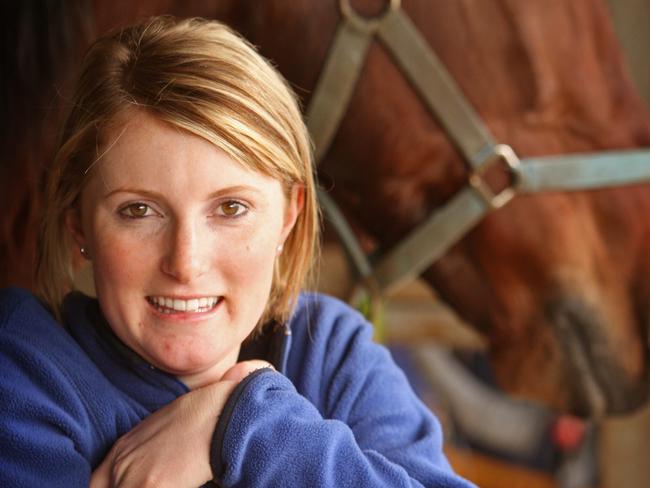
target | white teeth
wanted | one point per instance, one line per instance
(192, 305)
(171, 305)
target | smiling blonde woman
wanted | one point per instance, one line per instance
(184, 177)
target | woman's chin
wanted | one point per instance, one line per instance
(194, 371)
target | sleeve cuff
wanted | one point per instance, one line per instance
(216, 446)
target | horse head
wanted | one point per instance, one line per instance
(558, 282)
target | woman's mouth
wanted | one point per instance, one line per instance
(170, 305)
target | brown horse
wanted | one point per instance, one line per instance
(559, 282)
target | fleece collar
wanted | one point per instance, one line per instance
(138, 379)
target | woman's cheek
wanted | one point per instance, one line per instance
(255, 259)
(120, 260)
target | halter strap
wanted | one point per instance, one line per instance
(585, 171)
(442, 96)
(449, 223)
(335, 86)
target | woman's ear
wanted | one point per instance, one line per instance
(294, 206)
(73, 224)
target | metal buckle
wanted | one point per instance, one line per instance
(365, 24)
(500, 152)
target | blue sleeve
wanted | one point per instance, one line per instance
(38, 422)
(349, 419)
(43, 419)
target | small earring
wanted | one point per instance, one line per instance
(84, 252)
(278, 250)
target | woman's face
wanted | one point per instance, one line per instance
(183, 242)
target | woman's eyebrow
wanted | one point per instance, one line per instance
(234, 189)
(214, 194)
(139, 191)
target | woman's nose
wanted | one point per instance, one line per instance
(184, 257)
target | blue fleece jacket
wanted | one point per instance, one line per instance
(337, 413)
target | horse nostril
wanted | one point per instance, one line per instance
(597, 381)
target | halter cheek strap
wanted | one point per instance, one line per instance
(449, 223)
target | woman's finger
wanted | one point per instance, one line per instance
(101, 477)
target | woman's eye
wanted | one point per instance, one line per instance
(232, 208)
(136, 211)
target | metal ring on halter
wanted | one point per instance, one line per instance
(366, 24)
(498, 153)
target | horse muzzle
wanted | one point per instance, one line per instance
(598, 378)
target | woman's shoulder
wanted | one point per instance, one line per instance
(21, 310)
(35, 348)
(31, 339)
(333, 353)
(323, 325)
(320, 313)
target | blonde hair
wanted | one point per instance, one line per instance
(199, 76)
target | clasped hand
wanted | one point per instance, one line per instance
(171, 447)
